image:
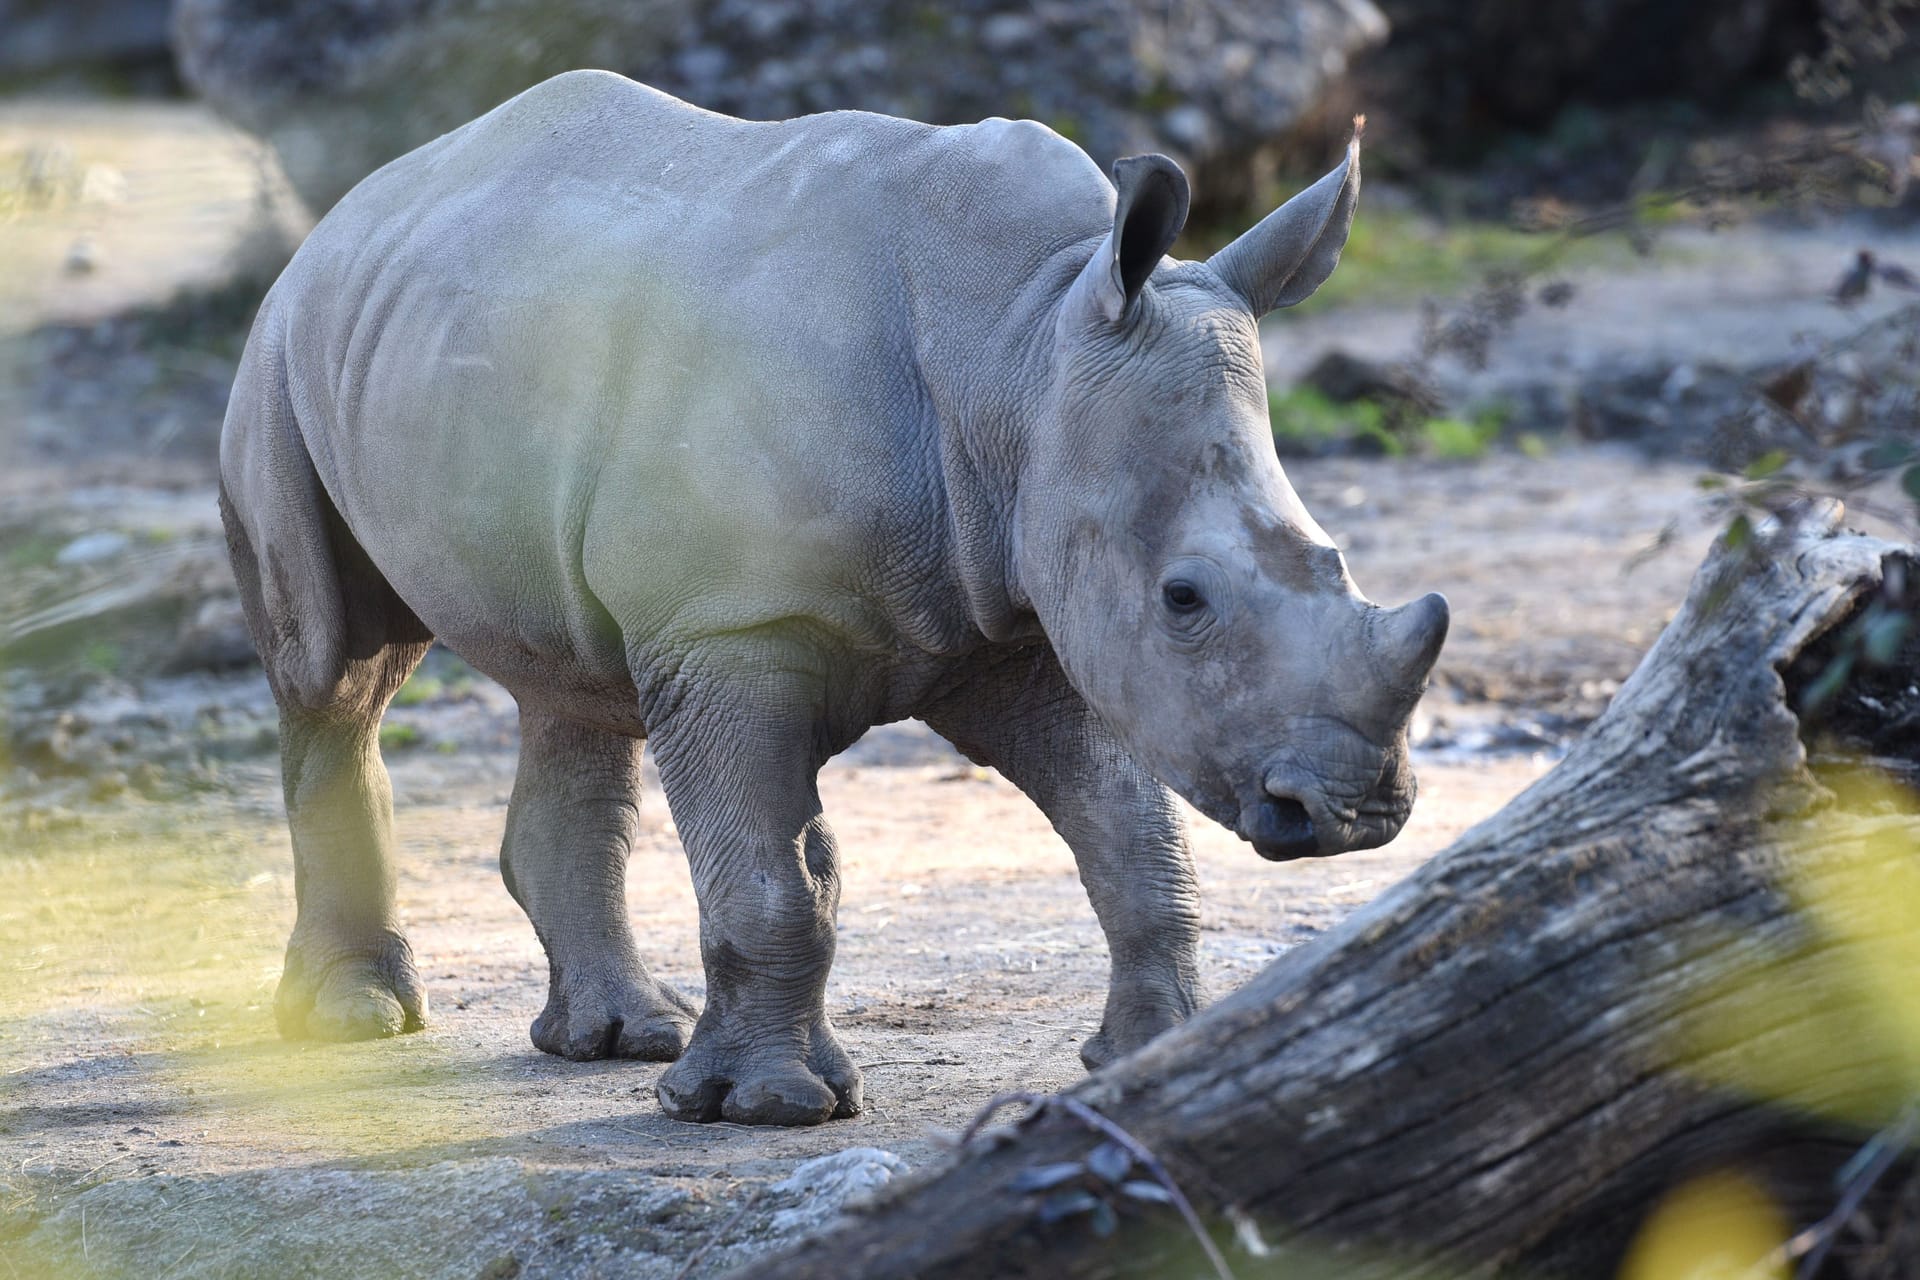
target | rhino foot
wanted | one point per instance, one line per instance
(332, 993)
(1100, 1049)
(1134, 1019)
(622, 1017)
(717, 1081)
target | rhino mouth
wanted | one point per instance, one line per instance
(1280, 829)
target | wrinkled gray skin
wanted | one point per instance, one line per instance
(742, 438)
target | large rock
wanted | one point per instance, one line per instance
(495, 1218)
(41, 36)
(342, 86)
(1457, 71)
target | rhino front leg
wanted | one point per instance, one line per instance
(570, 830)
(739, 774)
(1021, 717)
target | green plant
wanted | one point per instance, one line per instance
(1463, 438)
(1309, 421)
(1303, 417)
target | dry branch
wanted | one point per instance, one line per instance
(1656, 962)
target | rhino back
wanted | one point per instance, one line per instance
(602, 373)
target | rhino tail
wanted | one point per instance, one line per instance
(280, 528)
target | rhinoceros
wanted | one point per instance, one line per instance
(740, 438)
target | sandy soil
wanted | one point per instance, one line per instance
(969, 962)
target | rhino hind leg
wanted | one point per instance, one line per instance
(739, 773)
(1020, 716)
(570, 830)
(349, 972)
(337, 643)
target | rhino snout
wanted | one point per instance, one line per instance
(1295, 817)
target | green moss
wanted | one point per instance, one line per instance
(398, 737)
(418, 689)
(34, 551)
(103, 656)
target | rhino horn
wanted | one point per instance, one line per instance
(1407, 640)
(1292, 251)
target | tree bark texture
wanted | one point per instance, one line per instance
(1674, 954)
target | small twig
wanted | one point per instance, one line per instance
(902, 1062)
(914, 1062)
(180, 1261)
(719, 1233)
(97, 1168)
(1812, 1245)
(1092, 1119)
(993, 1107)
(1042, 1026)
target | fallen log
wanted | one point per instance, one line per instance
(1686, 958)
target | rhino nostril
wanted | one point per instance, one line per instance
(1290, 813)
(1283, 829)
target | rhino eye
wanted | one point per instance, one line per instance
(1182, 596)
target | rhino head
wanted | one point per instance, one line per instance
(1190, 596)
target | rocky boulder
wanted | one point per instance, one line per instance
(1457, 70)
(342, 86)
(42, 37)
(497, 1218)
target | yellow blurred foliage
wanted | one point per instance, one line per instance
(164, 945)
(1867, 902)
(1832, 1026)
(1717, 1227)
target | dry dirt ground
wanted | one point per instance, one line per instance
(152, 1123)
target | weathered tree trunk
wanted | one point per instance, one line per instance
(1670, 955)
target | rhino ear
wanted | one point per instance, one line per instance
(1150, 209)
(1295, 248)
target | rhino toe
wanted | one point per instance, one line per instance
(656, 1037)
(624, 1018)
(355, 995)
(750, 1088)
(368, 1013)
(783, 1098)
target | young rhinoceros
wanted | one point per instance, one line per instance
(742, 438)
